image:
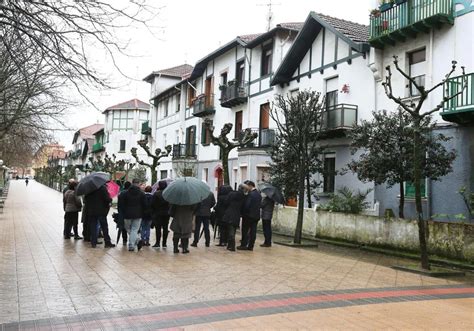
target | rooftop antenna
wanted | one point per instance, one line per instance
(269, 4)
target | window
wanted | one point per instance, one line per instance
(266, 67)
(205, 134)
(143, 117)
(417, 62)
(166, 107)
(263, 174)
(224, 78)
(410, 189)
(163, 174)
(238, 124)
(243, 173)
(122, 146)
(205, 174)
(329, 173)
(122, 120)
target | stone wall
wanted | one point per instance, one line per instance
(451, 240)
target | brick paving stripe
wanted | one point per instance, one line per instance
(210, 311)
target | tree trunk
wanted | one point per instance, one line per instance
(301, 193)
(154, 174)
(308, 191)
(425, 264)
(225, 165)
(401, 206)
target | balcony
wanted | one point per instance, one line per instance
(459, 110)
(76, 154)
(234, 93)
(265, 139)
(406, 19)
(97, 147)
(146, 129)
(204, 105)
(184, 151)
(338, 118)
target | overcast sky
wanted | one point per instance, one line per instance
(185, 31)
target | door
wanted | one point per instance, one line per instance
(190, 140)
(264, 124)
(240, 72)
(208, 91)
(238, 124)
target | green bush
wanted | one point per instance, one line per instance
(346, 201)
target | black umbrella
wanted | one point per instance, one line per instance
(92, 182)
(272, 192)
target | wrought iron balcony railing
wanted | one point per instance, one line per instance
(204, 105)
(461, 108)
(184, 151)
(234, 93)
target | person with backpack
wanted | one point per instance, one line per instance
(147, 219)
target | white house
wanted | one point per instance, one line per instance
(123, 128)
(343, 60)
(82, 145)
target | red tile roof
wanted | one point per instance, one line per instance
(354, 31)
(88, 131)
(178, 71)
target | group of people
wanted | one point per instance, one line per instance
(140, 210)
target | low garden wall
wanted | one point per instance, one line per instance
(451, 240)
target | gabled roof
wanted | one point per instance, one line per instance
(130, 105)
(178, 72)
(292, 26)
(87, 132)
(247, 41)
(356, 35)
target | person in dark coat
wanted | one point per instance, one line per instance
(267, 213)
(220, 210)
(182, 225)
(133, 205)
(250, 217)
(233, 205)
(146, 220)
(98, 205)
(203, 215)
(160, 209)
(120, 217)
(72, 207)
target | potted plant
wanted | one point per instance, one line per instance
(385, 5)
(375, 13)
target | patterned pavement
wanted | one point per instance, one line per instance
(47, 282)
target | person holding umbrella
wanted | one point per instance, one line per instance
(267, 213)
(133, 205)
(97, 200)
(271, 195)
(160, 210)
(183, 195)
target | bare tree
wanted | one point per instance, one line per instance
(413, 107)
(226, 146)
(156, 157)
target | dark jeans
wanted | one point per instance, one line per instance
(96, 222)
(197, 228)
(162, 224)
(223, 233)
(249, 232)
(71, 220)
(267, 231)
(231, 236)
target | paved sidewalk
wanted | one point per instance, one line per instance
(44, 278)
